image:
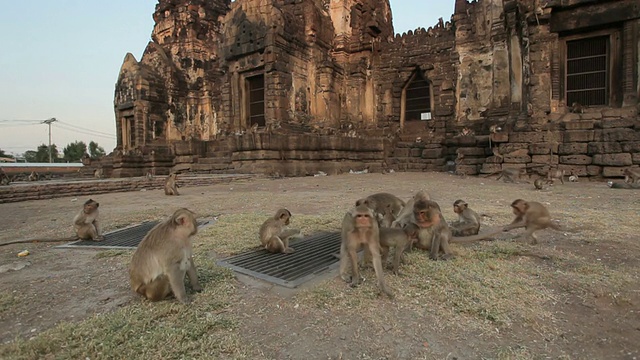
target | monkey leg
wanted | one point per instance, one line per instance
(285, 236)
(434, 252)
(366, 258)
(384, 253)
(444, 246)
(529, 235)
(88, 232)
(344, 263)
(193, 276)
(176, 280)
(158, 289)
(276, 245)
(355, 272)
(374, 247)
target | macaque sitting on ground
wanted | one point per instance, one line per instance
(164, 256)
(468, 220)
(86, 222)
(274, 237)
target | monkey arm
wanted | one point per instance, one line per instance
(515, 225)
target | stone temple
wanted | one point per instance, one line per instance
(293, 87)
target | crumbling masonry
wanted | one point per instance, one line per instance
(293, 87)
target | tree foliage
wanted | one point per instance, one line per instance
(96, 151)
(41, 154)
(74, 151)
(4, 154)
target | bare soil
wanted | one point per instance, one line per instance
(596, 317)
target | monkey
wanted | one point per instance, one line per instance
(171, 185)
(386, 218)
(4, 178)
(164, 256)
(555, 174)
(468, 220)
(86, 222)
(576, 108)
(379, 202)
(458, 162)
(433, 233)
(404, 217)
(531, 215)
(496, 153)
(400, 239)
(98, 173)
(34, 176)
(359, 227)
(538, 184)
(149, 175)
(273, 237)
(631, 176)
(509, 174)
(623, 185)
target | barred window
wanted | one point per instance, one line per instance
(255, 85)
(587, 71)
(418, 99)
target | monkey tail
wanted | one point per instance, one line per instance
(475, 238)
(71, 238)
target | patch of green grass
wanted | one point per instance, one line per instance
(7, 300)
(165, 329)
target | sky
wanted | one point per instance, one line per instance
(60, 59)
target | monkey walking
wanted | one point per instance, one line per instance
(360, 228)
(468, 220)
(164, 256)
(531, 215)
(273, 236)
(400, 239)
(85, 224)
(171, 185)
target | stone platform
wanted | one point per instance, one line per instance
(23, 191)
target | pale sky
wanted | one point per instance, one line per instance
(61, 59)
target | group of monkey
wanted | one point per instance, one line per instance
(382, 221)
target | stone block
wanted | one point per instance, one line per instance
(621, 134)
(471, 151)
(622, 159)
(467, 169)
(578, 136)
(635, 158)
(611, 171)
(572, 148)
(594, 170)
(617, 123)
(402, 152)
(544, 159)
(490, 168)
(579, 125)
(520, 152)
(632, 147)
(417, 152)
(574, 169)
(535, 137)
(595, 115)
(467, 140)
(511, 147)
(473, 161)
(517, 159)
(604, 148)
(576, 160)
(493, 160)
(617, 113)
(431, 153)
(500, 137)
(542, 148)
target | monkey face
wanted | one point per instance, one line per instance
(284, 215)
(90, 206)
(363, 219)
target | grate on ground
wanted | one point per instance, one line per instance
(313, 255)
(125, 238)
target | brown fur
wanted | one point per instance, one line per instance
(380, 201)
(552, 175)
(531, 215)
(164, 257)
(98, 173)
(86, 222)
(538, 184)
(468, 220)
(34, 176)
(4, 178)
(273, 236)
(400, 239)
(171, 185)
(360, 228)
(631, 176)
(406, 214)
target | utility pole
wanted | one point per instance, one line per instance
(49, 122)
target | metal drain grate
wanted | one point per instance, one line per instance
(125, 238)
(313, 255)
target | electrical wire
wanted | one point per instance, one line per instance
(67, 128)
(85, 129)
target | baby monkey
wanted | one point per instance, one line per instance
(468, 220)
(274, 237)
(531, 215)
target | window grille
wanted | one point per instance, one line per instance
(587, 74)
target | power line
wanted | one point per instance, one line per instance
(90, 133)
(85, 129)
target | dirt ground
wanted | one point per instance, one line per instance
(589, 292)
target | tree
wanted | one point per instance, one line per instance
(96, 151)
(4, 154)
(74, 151)
(42, 154)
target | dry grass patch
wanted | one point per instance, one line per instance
(165, 329)
(235, 233)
